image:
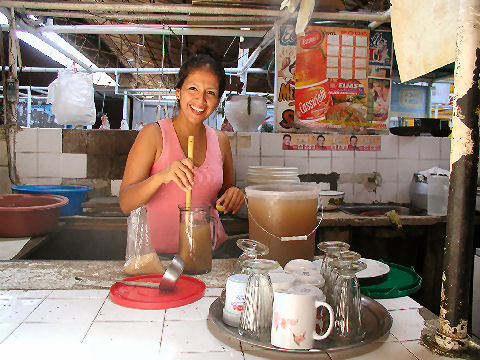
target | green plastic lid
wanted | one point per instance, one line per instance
(400, 281)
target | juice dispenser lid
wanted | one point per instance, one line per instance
(282, 191)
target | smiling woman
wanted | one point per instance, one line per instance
(158, 173)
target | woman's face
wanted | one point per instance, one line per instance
(198, 95)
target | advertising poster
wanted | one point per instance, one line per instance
(285, 43)
(331, 82)
(336, 142)
(380, 54)
(378, 101)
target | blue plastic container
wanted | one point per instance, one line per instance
(75, 194)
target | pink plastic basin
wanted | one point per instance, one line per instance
(24, 215)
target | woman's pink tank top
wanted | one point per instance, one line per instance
(162, 209)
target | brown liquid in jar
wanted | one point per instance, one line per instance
(283, 217)
(195, 248)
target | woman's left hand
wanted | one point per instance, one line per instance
(231, 200)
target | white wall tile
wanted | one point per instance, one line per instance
(49, 165)
(74, 165)
(26, 140)
(444, 164)
(387, 192)
(342, 162)
(365, 165)
(113, 312)
(174, 337)
(43, 333)
(296, 154)
(248, 144)
(66, 310)
(300, 163)
(320, 153)
(6, 329)
(145, 335)
(16, 310)
(388, 169)
(409, 147)
(243, 162)
(384, 350)
(272, 161)
(429, 147)
(406, 169)
(401, 303)
(27, 164)
(24, 294)
(445, 148)
(320, 165)
(347, 188)
(389, 147)
(425, 164)
(407, 324)
(403, 196)
(195, 311)
(49, 181)
(115, 187)
(271, 144)
(362, 195)
(50, 141)
(29, 180)
(79, 294)
(365, 154)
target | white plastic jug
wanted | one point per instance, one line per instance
(437, 195)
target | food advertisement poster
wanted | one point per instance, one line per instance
(322, 142)
(331, 81)
(285, 43)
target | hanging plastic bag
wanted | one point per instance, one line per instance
(72, 97)
(140, 256)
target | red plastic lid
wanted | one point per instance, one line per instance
(187, 290)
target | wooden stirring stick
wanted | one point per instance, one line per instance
(188, 196)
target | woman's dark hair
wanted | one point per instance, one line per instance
(204, 58)
(320, 136)
(286, 135)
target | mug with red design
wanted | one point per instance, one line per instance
(294, 319)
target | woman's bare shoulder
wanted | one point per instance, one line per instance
(150, 132)
(222, 137)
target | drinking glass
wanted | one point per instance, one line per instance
(256, 316)
(331, 250)
(347, 303)
(251, 250)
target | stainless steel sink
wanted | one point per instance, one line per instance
(379, 209)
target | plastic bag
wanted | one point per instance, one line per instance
(140, 257)
(72, 97)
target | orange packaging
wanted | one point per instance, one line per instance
(312, 101)
(312, 97)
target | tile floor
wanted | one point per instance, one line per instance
(86, 324)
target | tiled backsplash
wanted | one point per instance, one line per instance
(93, 157)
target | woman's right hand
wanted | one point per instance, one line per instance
(181, 172)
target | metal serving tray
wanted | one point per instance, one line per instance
(376, 321)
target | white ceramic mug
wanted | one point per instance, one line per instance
(234, 298)
(294, 319)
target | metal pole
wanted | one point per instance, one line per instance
(29, 106)
(451, 336)
(146, 8)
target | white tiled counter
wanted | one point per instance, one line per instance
(62, 322)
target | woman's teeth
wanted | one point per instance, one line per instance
(197, 110)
